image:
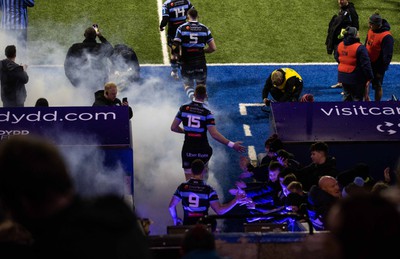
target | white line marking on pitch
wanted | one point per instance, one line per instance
(247, 131)
(243, 107)
(163, 37)
(252, 153)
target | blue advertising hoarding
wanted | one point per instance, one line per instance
(337, 121)
(105, 128)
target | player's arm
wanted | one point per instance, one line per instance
(164, 22)
(175, 126)
(172, 210)
(211, 47)
(215, 134)
(224, 208)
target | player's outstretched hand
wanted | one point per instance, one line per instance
(238, 147)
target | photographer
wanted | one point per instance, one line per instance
(86, 63)
(108, 97)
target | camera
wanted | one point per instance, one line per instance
(125, 99)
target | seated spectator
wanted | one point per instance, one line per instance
(42, 102)
(356, 187)
(199, 243)
(287, 160)
(108, 97)
(297, 199)
(38, 193)
(271, 145)
(262, 197)
(321, 197)
(379, 187)
(322, 164)
(359, 170)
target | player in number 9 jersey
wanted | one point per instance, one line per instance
(197, 197)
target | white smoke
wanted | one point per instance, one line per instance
(157, 150)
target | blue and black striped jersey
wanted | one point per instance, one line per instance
(193, 37)
(196, 197)
(14, 14)
(195, 117)
(175, 11)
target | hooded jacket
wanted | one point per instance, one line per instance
(13, 79)
(381, 64)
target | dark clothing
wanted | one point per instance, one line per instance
(319, 204)
(196, 197)
(347, 16)
(193, 59)
(288, 91)
(86, 63)
(125, 65)
(354, 81)
(309, 175)
(102, 228)
(13, 79)
(174, 14)
(380, 52)
(101, 100)
(195, 117)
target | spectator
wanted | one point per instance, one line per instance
(197, 119)
(86, 63)
(379, 43)
(354, 67)
(197, 197)
(284, 85)
(14, 21)
(321, 197)
(42, 102)
(271, 145)
(346, 17)
(199, 243)
(365, 226)
(38, 193)
(174, 14)
(263, 196)
(193, 59)
(260, 172)
(125, 67)
(13, 79)
(322, 164)
(108, 97)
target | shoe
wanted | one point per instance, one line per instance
(338, 85)
(174, 75)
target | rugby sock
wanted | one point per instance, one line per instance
(174, 65)
(189, 92)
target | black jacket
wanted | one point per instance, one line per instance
(309, 175)
(347, 16)
(101, 100)
(13, 79)
(86, 63)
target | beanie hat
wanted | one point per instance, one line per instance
(375, 19)
(275, 145)
(351, 31)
